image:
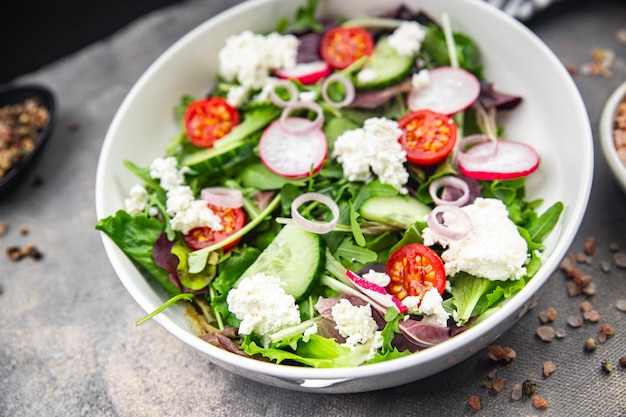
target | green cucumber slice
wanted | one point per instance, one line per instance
(295, 256)
(214, 160)
(400, 211)
(388, 66)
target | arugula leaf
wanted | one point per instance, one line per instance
(352, 253)
(466, 49)
(544, 224)
(136, 236)
(305, 20)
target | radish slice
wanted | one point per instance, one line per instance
(301, 128)
(309, 225)
(291, 89)
(512, 160)
(449, 181)
(293, 155)
(306, 73)
(444, 231)
(222, 196)
(376, 292)
(349, 93)
(449, 91)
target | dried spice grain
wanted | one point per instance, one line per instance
(549, 368)
(516, 392)
(590, 344)
(622, 361)
(474, 402)
(500, 353)
(529, 388)
(621, 304)
(607, 367)
(590, 245)
(498, 385)
(575, 321)
(546, 333)
(540, 403)
(620, 259)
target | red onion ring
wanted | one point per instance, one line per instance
(302, 128)
(449, 181)
(222, 196)
(291, 89)
(463, 157)
(445, 232)
(347, 84)
(311, 226)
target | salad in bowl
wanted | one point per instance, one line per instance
(344, 193)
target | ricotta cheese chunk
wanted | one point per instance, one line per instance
(137, 200)
(407, 38)
(493, 248)
(263, 306)
(356, 324)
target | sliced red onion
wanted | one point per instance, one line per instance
(222, 196)
(313, 226)
(446, 232)
(463, 157)
(449, 181)
(348, 86)
(300, 128)
(291, 89)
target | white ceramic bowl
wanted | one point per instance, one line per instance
(606, 128)
(552, 118)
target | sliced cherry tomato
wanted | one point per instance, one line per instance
(232, 219)
(428, 137)
(208, 120)
(342, 46)
(415, 269)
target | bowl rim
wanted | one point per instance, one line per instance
(606, 126)
(453, 345)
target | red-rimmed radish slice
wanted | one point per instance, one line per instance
(464, 222)
(222, 196)
(376, 292)
(312, 226)
(292, 90)
(293, 155)
(512, 160)
(349, 91)
(297, 128)
(450, 90)
(306, 73)
(449, 181)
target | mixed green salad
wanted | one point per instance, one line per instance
(342, 195)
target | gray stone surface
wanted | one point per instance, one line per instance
(68, 343)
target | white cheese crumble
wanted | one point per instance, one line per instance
(374, 148)
(421, 79)
(407, 38)
(356, 324)
(137, 200)
(366, 75)
(166, 171)
(248, 58)
(238, 95)
(379, 278)
(263, 306)
(432, 309)
(493, 249)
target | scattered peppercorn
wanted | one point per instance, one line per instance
(622, 361)
(590, 344)
(607, 367)
(15, 253)
(528, 388)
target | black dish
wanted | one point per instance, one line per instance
(15, 95)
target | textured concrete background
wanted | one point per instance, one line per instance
(68, 343)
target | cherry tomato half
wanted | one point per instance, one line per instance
(414, 269)
(342, 46)
(232, 219)
(428, 137)
(208, 120)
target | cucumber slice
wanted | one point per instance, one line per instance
(296, 256)
(401, 211)
(388, 66)
(214, 160)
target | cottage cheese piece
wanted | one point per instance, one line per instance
(378, 278)
(190, 213)
(421, 79)
(137, 200)
(166, 171)
(374, 148)
(432, 309)
(248, 58)
(262, 305)
(407, 38)
(493, 249)
(366, 75)
(355, 323)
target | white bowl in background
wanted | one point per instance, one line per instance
(607, 121)
(552, 118)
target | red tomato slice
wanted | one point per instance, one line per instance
(342, 46)
(233, 219)
(428, 137)
(208, 120)
(415, 269)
